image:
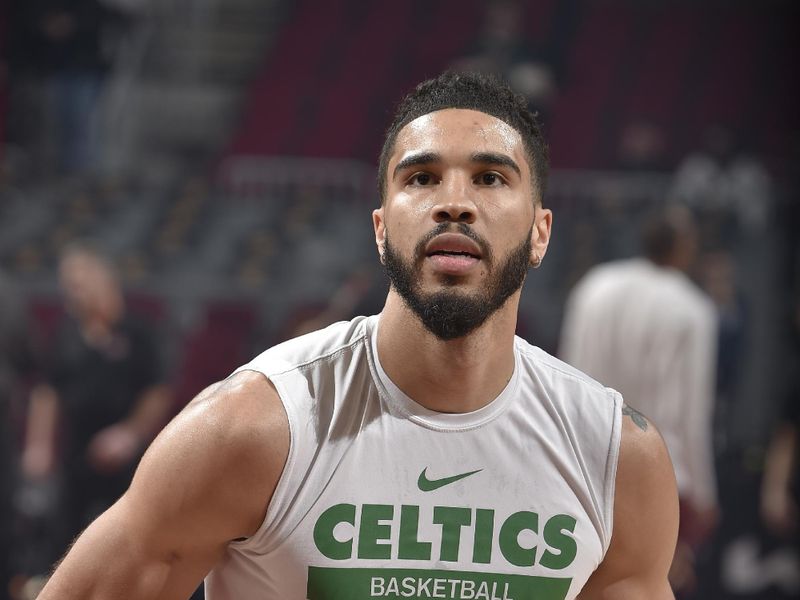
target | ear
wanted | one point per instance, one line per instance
(380, 230)
(540, 235)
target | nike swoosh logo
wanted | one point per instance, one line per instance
(428, 485)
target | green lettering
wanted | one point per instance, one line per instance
(451, 519)
(509, 538)
(555, 538)
(371, 531)
(409, 546)
(326, 543)
(484, 528)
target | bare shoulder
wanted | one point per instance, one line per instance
(225, 450)
(645, 518)
(644, 472)
(243, 411)
(644, 463)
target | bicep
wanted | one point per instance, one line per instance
(645, 522)
(206, 479)
(121, 556)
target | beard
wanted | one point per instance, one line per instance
(450, 313)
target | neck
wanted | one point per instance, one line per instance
(454, 376)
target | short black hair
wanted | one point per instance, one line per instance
(473, 91)
(664, 228)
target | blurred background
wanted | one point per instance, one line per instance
(184, 183)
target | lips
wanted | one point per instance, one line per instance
(453, 244)
(453, 254)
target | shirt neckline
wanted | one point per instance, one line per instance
(402, 403)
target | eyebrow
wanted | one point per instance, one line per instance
(421, 158)
(493, 158)
(427, 158)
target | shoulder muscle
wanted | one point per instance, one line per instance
(223, 455)
(645, 518)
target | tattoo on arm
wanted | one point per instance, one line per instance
(635, 416)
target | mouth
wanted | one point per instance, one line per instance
(453, 244)
(453, 254)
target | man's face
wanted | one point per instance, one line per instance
(88, 285)
(458, 228)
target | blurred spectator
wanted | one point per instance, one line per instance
(105, 386)
(642, 327)
(779, 488)
(717, 274)
(60, 52)
(16, 360)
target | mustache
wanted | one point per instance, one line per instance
(449, 227)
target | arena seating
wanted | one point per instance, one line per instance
(325, 89)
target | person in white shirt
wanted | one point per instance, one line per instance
(425, 452)
(642, 327)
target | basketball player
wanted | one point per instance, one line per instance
(421, 453)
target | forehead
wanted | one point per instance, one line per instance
(82, 263)
(457, 131)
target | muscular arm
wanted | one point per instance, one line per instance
(206, 480)
(645, 519)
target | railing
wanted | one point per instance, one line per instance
(246, 178)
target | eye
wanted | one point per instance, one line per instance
(490, 179)
(421, 179)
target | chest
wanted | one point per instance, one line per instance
(411, 512)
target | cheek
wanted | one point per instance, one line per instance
(508, 224)
(406, 222)
(412, 207)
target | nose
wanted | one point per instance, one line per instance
(455, 204)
